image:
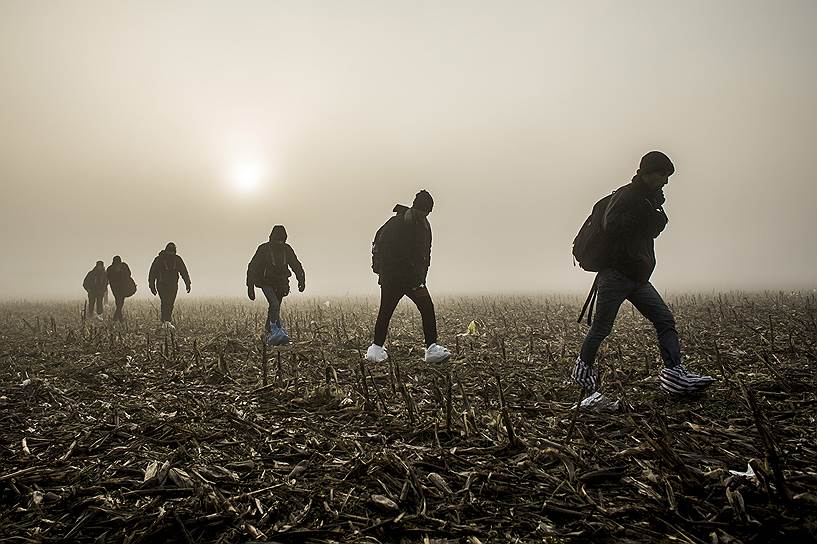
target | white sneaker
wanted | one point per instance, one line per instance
(599, 403)
(167, 325)
(437, 354)
(99, 317)
(376, 354)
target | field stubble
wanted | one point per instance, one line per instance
(125, 434)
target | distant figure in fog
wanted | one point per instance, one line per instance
(401, 255)
(270, 269)
(626, 225)
(164, 279)
(122, 284)
(96, 285)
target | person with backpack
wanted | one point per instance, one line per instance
(122, 284)
(163, 279)
(96, 285)
(270, 269)
(618, 242)
(401, 255)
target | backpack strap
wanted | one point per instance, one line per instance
(590, 302)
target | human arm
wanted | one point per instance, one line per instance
(184, 273)
(296, 267)
(153, 274)
(253, 267)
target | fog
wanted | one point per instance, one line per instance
(127, 125)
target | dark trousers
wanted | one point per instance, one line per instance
(167, 294)
(614, 288)
(390, 295)
(95, 300)
(120, 302)
(274, 297)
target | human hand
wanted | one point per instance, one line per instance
(251, 292)
(153, 290)
(301, 286)
(188, 287)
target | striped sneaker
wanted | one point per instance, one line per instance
(679, 381)
(585, 375)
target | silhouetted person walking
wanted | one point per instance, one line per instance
(401, 255)
(270, 269)
(122, 284)
(96, 285)
(627, 223)
(164, 279)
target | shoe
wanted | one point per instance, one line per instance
(376, 354)
(168, 326)
(99, 317)
(585, 375)
(599, 403)
(436, 353)
(679, 381)
(276, 336)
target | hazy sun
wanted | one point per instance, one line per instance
(246, 177)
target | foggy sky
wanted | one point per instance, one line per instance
(121, 125)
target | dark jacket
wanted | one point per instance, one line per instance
(119, 275)
(401, 250)
(120, 280)
(271, 264)
(166, 269)
(634, 218)
(96, 282)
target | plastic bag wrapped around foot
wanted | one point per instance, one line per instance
(276, 336)
(599, 403)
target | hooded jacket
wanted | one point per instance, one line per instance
(166, 269)
(118, 275)
(274, 262)
(633, 220)
(401, 250)
(96, 281)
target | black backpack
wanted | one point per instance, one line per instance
(591, 250)
(277, 266)
(591, 247)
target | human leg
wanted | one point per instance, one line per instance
(673, 378)
(422, 299)
(650, 304)
(167, 294)
(613, 290)
(120, 302)
(274, 311)
(390, 296)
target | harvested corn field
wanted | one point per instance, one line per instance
(125, 433)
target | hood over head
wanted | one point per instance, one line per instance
(169, 248)
(278, 234)
(116, 259)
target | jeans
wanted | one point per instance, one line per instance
(613, 289)
(94, 300)
(390, 295)
(120, 302)
(167, 294)
(274, 297)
